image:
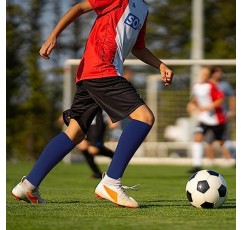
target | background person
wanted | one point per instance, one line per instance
(207, 104)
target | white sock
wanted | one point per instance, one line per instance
(110, 180)
(197, 150)
(28, 186)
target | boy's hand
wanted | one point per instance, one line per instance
(47, 48)
(166, 74)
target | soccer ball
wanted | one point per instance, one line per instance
(206, 189)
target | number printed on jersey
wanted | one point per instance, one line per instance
(133, 21)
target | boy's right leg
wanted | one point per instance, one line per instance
(133, 135)
(53, 153)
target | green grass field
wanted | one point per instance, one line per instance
(69, 191)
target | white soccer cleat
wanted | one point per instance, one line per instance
(115, 193)
(20, 193)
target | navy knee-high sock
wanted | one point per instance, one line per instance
(53, 153)
(130, 140)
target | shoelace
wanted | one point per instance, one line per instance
(134, 187)
(120, 188)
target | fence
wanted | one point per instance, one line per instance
(172, 131)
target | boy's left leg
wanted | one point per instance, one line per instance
(53, 153)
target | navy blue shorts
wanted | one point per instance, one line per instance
(115, 95)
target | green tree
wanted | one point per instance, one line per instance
(169, 28)
(220, 29)
(14, 70)
(29, 118)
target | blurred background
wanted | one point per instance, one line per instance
(177, 29)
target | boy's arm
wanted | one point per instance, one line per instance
(71, 15)
(149, 58)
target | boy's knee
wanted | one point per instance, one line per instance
(149, 118)
(143, 114)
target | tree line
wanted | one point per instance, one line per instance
(34, 86)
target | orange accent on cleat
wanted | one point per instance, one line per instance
(112, 193)
(115, 193)
(33, 199)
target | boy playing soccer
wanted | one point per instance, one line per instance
(119, 29)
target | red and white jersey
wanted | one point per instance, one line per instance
(206, 94)
(120, 25)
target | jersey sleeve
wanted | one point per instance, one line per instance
(140, 42)
(104, 6)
